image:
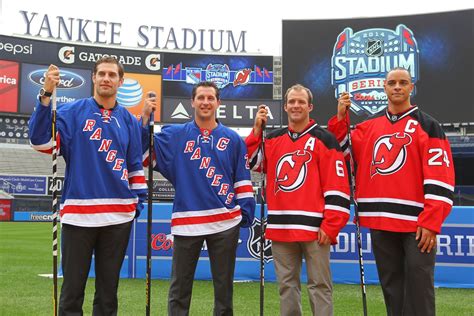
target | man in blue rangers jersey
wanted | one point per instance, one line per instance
(104, 184)
(207, 164)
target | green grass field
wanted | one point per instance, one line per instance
(25, 252)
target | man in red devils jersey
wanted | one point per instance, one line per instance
(308, 200)
(104, 186)
(404, 187)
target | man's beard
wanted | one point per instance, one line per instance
(105, 93)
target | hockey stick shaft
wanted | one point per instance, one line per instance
(55, 203)
(151, 143)
(359, 240)
(262, 227)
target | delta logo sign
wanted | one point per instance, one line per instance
(361, 60)
(221, 74)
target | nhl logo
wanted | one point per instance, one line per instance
(106, 116)
(205, 136)
(374, 48)
(253, 243)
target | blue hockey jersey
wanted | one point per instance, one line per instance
(104, 181)
(210, 173)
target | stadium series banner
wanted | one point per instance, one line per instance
(354, 55)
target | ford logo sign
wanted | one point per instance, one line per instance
(67, 79)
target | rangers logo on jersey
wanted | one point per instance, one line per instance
(253, 243)
(291, 170)
(390, 153)
(360, 61)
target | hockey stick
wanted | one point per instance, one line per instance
(151, 143)
(262, 226)
(359, 241)
(55, 204)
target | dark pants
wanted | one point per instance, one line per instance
(222, 252)
(406, 274)
(108, 244)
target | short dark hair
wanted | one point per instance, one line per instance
(299, 87)
(109, 60)
(206, 84)
(398, 68)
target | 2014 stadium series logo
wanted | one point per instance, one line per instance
(219, 74)
(361, 60)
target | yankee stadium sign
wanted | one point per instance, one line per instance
(85, 30)
(361, 60)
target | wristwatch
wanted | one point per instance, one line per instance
(44, 93)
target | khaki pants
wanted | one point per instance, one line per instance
(288, 257)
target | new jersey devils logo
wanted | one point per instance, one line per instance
(291, 170)
(242, 77)
(390, 153)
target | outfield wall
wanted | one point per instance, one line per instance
(454, 261)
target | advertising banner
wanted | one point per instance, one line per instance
(5, 210)
(74, 84)
(163, 190)
(230, 112)
(23, 185)
(237, 77)
(454, 259)
(24, 62)
(15, 128)
(9, 79)
(454, 254)
(244, 82)
(32, 216)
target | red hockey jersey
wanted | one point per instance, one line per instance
(307, 183)
(405, 172)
